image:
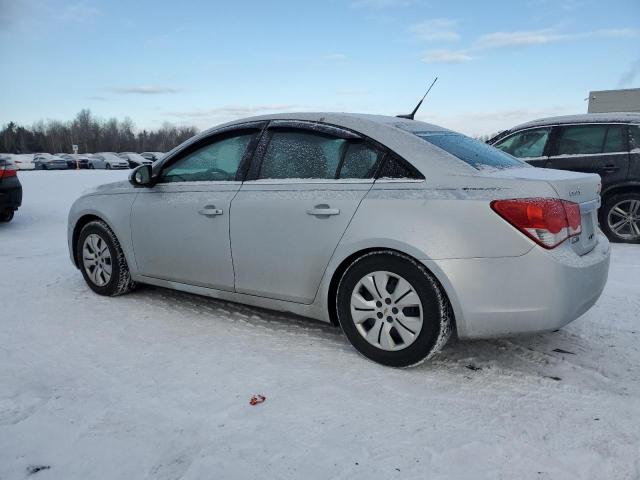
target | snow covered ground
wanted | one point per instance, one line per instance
(156, 384)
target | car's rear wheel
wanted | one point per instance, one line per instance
(620, 217)
(392, 310)
(102, 261)
(108, 166)
(6, 216)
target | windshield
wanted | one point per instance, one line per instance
(477, 154)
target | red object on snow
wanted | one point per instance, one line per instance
(256, 399)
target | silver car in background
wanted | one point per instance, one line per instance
(107, 160)
(399, 231)
(46, 161)
(134, 159)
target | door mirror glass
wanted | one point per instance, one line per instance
(141, 176)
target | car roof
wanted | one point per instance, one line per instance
(614, 117)
(395, 133)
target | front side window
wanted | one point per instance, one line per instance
(217, 161)
(525, 144)
(477, 154)
(581, 139)
(302, 154)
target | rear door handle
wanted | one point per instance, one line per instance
(323, 210)
(210, 211)
(611, 168)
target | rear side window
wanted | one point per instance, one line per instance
(590, 139)
(477, 154)
(302, 154)
(526, 144)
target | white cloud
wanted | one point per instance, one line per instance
(446, 56)
(144, 90)
(380, 4)
(439, 29)
(77, 12)
(336, 57)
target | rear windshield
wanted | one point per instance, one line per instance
(477, 154)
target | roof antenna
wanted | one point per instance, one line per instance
(411, 115)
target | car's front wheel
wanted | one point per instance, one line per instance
(392, 310)
(102, 261)
(620, 217)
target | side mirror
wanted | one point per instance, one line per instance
(141, 176)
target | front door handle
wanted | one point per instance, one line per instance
(210, 211)
(323, 210)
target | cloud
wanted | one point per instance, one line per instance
(380, 4)
(446, 56)
(539, 37)
(439, 29)
(78, 12)
(144, 90)
(627, 78)
(233, 111)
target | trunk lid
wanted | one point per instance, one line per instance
(577, 187)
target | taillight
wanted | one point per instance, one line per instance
(7, 171)
(547, 221)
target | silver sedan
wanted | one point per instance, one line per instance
(399, 231)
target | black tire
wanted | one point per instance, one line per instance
(609, 203)
(43, 167)
(108, 167)
(6, 216)
(437, 315)
(120, 281)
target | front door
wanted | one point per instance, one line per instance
(287, 222)
(180, 227)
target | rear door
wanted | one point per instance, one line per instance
(304, 187)
(592, 148)
(529, 145)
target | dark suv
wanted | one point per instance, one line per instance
(606, 144)
(10, 189)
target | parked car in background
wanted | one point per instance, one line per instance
(606, 144)
(76, 160)
(135, 159)
(46, 161)
(153, 156)
(108, 160)
(397, 230)
(10, 189)
(22, 161)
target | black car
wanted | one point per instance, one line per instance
(604, 143)
(10, 190)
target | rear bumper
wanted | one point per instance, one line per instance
(539, 291)
(10, 194)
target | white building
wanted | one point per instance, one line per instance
(623, 100)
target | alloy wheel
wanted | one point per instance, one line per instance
(624, 219)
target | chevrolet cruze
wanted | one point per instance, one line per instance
(399, 231)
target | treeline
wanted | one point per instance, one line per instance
(91, 134)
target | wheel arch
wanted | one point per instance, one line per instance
(629, 187)
(337, 273)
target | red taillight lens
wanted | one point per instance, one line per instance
(7, 172)
(547, 221)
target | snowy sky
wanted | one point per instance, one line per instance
(203, 62)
